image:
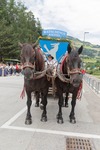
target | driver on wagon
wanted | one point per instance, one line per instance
(51, 63)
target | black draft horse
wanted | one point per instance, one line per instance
(33, 63)
(69, 80)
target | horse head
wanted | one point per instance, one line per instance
(30, 58)
(74, 65)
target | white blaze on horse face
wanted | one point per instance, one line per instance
(53, 50)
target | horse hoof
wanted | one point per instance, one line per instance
(41, 106)
(28, 121)
(37, 105)
(60, 121)
(66, 105)
(44, 119)
(72, 121)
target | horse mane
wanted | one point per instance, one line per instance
(63, 65)
(39, 60)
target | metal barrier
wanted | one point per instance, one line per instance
(93, 82)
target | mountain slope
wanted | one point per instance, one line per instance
(87, 45)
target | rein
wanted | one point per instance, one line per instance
(22, 95)
(79, 93)
(74, 71)
(39, 74)
(62, 77)
(28, 65)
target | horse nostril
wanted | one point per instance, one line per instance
(74, 80)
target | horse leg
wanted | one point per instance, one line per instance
(66, 100)
(72, 114)
(63, 105)
(60, 103)
(37, 94)
(28, 120)
(43, 107)
(41, 103)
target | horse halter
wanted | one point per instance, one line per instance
(28, 64)
(74, 70)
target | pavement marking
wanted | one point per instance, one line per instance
(63, 133)
(7, 125)
(10, 121)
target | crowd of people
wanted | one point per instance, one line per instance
(16, 69)
(10, 69)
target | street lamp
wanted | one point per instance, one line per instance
(84, 37)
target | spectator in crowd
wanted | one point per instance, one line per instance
(0, 69)
(17, 68)
(10, 69)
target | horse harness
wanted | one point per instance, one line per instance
(62, 76)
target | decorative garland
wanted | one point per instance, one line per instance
(52, 39)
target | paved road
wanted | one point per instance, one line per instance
(15, 135)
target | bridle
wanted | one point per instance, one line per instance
(74, 70)
(70, 72)
(32, 66)
(28, 65)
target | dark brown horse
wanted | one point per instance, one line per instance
(69, 80)
(35, 79)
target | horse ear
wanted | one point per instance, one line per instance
(20, 44)
(34, 45)
(80, 50)
(69, 48)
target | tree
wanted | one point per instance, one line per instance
(17, 25)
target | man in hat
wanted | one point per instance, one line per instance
(51, 63)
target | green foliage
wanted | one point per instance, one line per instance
(16, 25)
(92, 66)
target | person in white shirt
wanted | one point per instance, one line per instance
(51, 63)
